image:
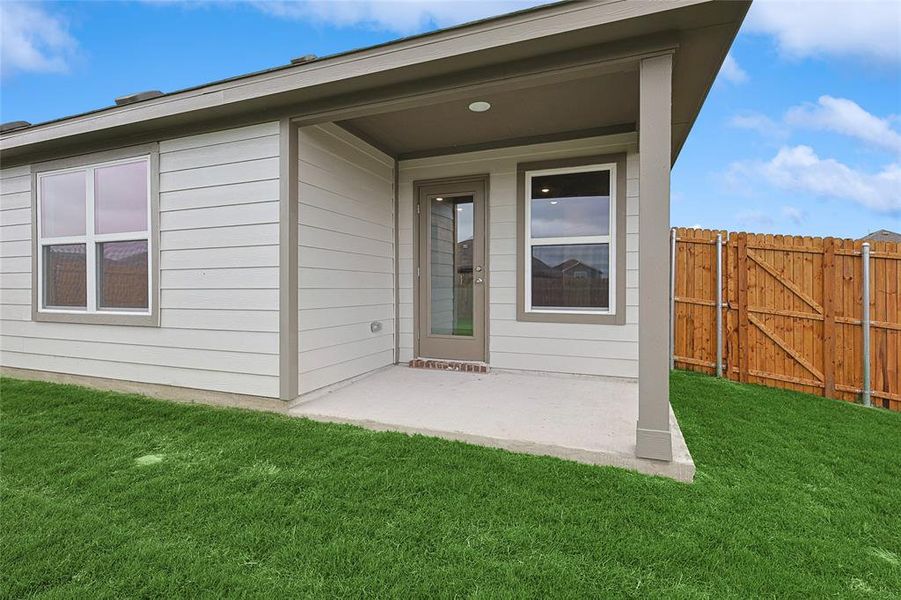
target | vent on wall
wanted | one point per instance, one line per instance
(13, 125)
(131, 98)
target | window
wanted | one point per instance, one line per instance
(95, 241)
(569, 240)
(569, 212)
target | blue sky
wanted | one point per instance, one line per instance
(801, 133)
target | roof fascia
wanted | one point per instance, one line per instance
(484, 35)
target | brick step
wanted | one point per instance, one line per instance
(449, 365)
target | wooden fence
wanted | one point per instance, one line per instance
(792, 312)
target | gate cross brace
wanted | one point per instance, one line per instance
(789, 284)
(788, 349)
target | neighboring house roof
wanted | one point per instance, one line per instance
(542, 269)
(367, 88)
(883, 235)
(574, 263)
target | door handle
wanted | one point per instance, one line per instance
(478, 280)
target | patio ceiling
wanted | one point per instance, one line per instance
(577, 92)
(577, 108)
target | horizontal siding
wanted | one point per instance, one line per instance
(218, 275)
(220, 195)
(609, 350)
(323, 318)
(346, 257)
(221, 381)
(228, 256)
(261, 234)
(338, 372)
(230, 341)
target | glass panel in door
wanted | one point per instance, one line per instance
(451, 262)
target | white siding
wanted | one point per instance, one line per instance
(610, 350)
(218, 275)
(346, 257)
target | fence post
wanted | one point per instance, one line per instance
(719, 305)
(672, 301)
(865, 321)
(829, 317)
(743, 324)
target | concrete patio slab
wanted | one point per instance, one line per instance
(580, 418)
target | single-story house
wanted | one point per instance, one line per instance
(882, 235)
(284, 232)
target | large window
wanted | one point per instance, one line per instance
(94, 241)
(569, 239)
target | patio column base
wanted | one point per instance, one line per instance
(654, 443)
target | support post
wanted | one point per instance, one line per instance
(653, 435)
(719, 305)
(865, 321)
(672, 300)
(287, 256)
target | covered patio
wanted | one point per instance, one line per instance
(456, 148)
(581, 418)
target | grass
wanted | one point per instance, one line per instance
(108, 495)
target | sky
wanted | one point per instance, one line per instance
(800, 134)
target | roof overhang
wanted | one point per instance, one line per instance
(549, 43)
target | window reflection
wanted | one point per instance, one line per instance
(571, 276)
(571, 204)
(451, 264)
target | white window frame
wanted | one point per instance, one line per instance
(609, 239)
(92, 241)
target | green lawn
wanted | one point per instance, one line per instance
(107, 495)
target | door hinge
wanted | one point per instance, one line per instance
(417, 208)
(417, 271)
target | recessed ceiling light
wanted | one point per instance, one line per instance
(439, 199)
(479, 106)
(545, 190)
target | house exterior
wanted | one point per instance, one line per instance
(495, 193)
(882, 235)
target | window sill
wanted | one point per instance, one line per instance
(584, 318)
(110, 318)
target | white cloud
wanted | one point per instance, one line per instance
(760, 123)
(848, 118)
(865, 29)
(754, 218)
(400, 16)
(732, 72)
(33, 40)
(837, 115)
(793, 214)
(799, 169)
